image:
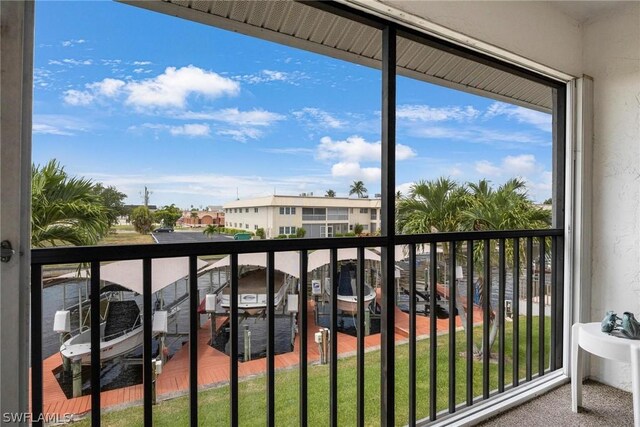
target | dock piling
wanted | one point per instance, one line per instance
(76, 375)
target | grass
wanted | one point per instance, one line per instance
(126, 239)
(214, 403)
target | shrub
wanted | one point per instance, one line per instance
(281, 236)
(260, 233)
(301, 232)
(357, 229)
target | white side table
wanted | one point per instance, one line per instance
(590, 338)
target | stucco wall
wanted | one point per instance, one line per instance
(612, 58)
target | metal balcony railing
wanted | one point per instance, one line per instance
(486, 255)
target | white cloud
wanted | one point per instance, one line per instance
(355, 171)
(172, 88)
(521, 166)
(316, 118)
(190, 129)
(77, 97)
(58, 124)
(266, 76)
(234, 116)
(41, 128)
(503, 139)
(72, 42)
(291, 151)
(142, 63)
(486, 168)
(356, 149)
(425, 113)
(193, 129)
(70, 61)
(241, 135)
(404, 188)
(167, 90)
(107, 87)
(522, 115)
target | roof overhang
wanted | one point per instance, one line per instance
(330, 29)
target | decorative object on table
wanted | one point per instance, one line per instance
(627, 327)
(609, 322)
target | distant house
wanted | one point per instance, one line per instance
(204, 218)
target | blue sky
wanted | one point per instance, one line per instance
(197, 114)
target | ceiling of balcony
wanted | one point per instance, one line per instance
(306, 27)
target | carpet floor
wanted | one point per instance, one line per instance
(602, 406)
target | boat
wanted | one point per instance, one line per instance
(122, 330)
(347, 290)
(251, 299)
(252, 283)
(120, 334)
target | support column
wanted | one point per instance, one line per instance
(387, 327)
(16, 86)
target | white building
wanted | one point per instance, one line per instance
(319, 216)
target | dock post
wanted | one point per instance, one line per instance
(213, 327)
(367, 322)
(76, 375)
(153, 382)
(66, 364)
(247, 343)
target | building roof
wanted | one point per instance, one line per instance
(305, 201)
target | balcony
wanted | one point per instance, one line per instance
(457, 376)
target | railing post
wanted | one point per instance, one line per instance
(388, 163)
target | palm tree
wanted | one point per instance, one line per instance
(194, 217)
(210, 230)
(358, 188)
(432, 206)
(330, 193)
(443, 205)
(64, 210)
(507, 208)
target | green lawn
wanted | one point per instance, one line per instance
(214, 404)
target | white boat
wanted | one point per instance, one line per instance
(122, 330)
(347, 290)
(111, 345)
(252, 302)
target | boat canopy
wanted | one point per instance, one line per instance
(322, 257)
(286, 262)
(164, 272)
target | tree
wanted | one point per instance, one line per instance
(65, 210)
(432, 206)
(113, 200)
(330, 193)
(506, 208)
(443, 205)
(194, 217)
(358, 188)
(358, 229)
(548, 201)
(260, 233)
(168, 215)
(210, 230)
(300, 232)
(142, 219)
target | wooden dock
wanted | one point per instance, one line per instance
(213, 365)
